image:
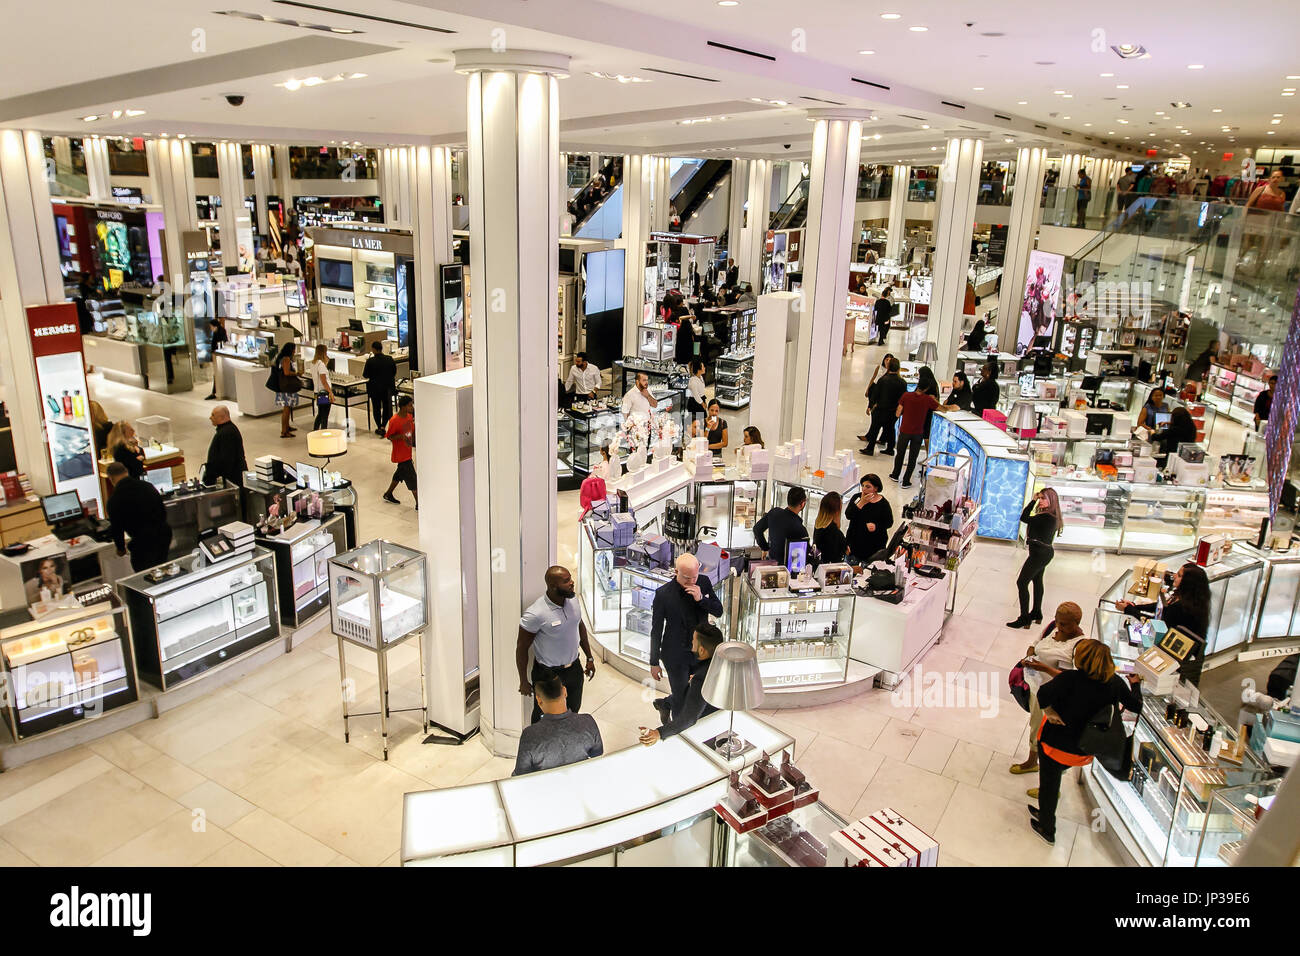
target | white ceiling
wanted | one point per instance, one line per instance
(136, 54)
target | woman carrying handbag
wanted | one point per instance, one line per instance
(287, 387)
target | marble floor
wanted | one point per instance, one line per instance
(257, 773)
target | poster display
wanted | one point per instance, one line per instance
(1041, 299)
(1285, 415)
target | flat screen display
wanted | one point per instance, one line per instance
(336, 273)
(61, 507)
(604, 281)
(796, 557)
(160, 478)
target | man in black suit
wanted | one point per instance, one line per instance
(380, 373)
(136, 508)
(679, 607)
(226, 451)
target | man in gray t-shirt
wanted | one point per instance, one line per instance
(561, 737)
(552, 628)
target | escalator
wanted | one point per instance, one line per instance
(792, 213)
(592, 196)
(701, 186)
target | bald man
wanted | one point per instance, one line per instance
(226, 453)
(553, 630)
(679, 606)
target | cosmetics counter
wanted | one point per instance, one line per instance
(801, 638)
(999, 472)
(1233, 391)
(338, 496)
(1186, 799)
(1254, 598)
(302, 552)
(66, 666)
(642, 806)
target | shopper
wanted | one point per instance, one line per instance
(977, 337)
(913, 409)
(684, 348)
(890, 390)
(1269, 195)
(135, 509)
(927, 384)
(1181, 430)
(1264, 402)
(638, 401)
(584, 378)
(1053, 653)
(1082, 196)
(679, 607)
(870, 393)
(714, 427)
(553, 630)
(1188, 609)
(785, 525)
(219, 337)
(320, 383)
(960, 394)
(828, 539)
(752, 436)
(870, 517)
(561, 736)
(1069, 701)
(101, 426)
(380, 373)
(695, 396)
(733, 273)
(225, 451)
(704, 642)
(124, 447)
(1043, 522)
(1200, 366)
(401, 432)
(881, 312)
(287, 387)
(985, 393)
(1154, 405)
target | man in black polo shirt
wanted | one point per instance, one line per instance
(679, 607)
(782, 525)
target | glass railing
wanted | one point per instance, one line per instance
(872, 188)
(66, 182)
(922, 190)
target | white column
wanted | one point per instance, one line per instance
(395, 181)
(262, 186)
(897, 212)
(171, 172)
(283, 179)
(431, 226)
(514, 110)
(737, 196)
(638, 179)
(954, 220)
(29, 275)
(230, 176)
(828, 243)
(660, 193)
(1022, 227)
(62, 151)
(750, 260)
(98, 182)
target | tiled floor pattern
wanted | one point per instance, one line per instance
(257, 773)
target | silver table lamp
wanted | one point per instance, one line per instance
(927, 353)
(733, 683)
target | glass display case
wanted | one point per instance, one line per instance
(656, 342)
(1232, 816)
(155, 431)
(636, 603)
(563, 448)
(725, 511)
(66, 667)
(1165, 807)
(592, 425)
(733, 377)
(800, 639)
(599, 581)
(1093, 512)
(302, 556)
(187, 617)
(1160, 518)
(798, 838)
(1237, 513)
(1233, 392)
(377, 594)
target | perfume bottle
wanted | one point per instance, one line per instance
(67, 404)
(78, 404)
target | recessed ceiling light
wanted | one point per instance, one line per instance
(877, 136)
(134, 112)
(1059, 92)
(1271, 133)
(291, 84)
(89, 119)
(934, 149)
(1110, 132)
(1129, 51)
(1107, 75)
(1121, 86)
(891, 16)
(1160, 112)
(1067, 96)
(1288, 89)
(1196, 66)
(288, 23)
(866, 52)
(1022, 102)
(1294, 76)
(1275, 122)
(1087, 124)
(978, 89)
(1008, 140)
(925, 126)
(918, 29)
(1065, 117)
(1291, 93)
(1121, 121)
(1278, 115)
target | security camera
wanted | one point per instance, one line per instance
(785, 145)
(235, 99)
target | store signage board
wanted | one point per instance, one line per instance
(1283, 419)
(128, 194)
(681, 238)
(365, 240)
(64, 399)
(1042, 293)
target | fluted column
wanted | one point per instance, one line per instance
(954, 222)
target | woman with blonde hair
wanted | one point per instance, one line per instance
(828, 539)
(1071, 700)
(1043, 522)
(100, 425)
(124, 447)
(1053, 654)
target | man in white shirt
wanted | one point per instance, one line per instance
(584, 378)
(638, 400)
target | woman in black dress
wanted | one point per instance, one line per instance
(976, 339)
(1188, 608)
(961, 394)
(828, 539)
(870, 517)
(124, 447)
(1181, 430)
(1042, 520)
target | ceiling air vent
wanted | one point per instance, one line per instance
(818, 99)
(738, 49)
(919, 119)
(1001, 117)
(688, 76)
(879, 86)
(956, 106)
(361, 16)
(1039, 126)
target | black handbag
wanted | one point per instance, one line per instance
(1104, 739)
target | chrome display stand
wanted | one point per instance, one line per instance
(378, 601)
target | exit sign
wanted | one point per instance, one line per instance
(1227, 156)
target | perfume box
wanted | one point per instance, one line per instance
(860, 846)
(919, 847)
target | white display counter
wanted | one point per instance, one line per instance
(251, 394)
(893, 637)
(116, 359)
(601, 812)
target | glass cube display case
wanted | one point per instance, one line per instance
(798, 838)
(592, 425)
(1160, 518)
(200, 615)
(800, 639)
(656, 342)
(377, 594)
(66, 668)
(1233, 814)
(1166, 806)
(154, 430)
(302, 556)
(599, 587)
(733, 377)
(725, 511)
(563, 447)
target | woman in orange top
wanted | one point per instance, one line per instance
(1069, 700)
(1270, 196)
